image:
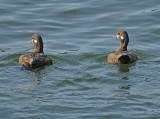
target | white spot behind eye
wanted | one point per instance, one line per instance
(122, 37)
(35, 41)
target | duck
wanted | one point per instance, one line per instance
(122, 55)
(37, 58)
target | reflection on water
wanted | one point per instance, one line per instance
(37, 73)
(126, 87)
(123, 68)
(124, 78)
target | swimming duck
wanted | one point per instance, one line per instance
(122, 55)
(36, 58)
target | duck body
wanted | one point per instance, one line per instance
(122, 55)
(36, 58)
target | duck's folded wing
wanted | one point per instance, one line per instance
(26, 58)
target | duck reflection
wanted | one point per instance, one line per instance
(124, 67)
(36, 75)
(126, 87)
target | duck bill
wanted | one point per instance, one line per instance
(31, 41)
(115, 36)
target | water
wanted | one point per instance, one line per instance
(80, 84)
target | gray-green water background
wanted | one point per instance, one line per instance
(77, 35)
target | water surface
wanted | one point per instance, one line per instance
(77, 35)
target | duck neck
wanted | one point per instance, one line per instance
(38, 48)
(123, 45)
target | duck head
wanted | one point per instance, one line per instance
(38, 43)
(124, 39)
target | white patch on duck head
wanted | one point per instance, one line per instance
(35, 41)
(122, 37)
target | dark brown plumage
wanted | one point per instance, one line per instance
(122, 55)
(36, 58)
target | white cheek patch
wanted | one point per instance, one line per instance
(122, 37)
(35, 41)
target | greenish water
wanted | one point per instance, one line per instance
(80, 84)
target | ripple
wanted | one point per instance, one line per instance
(73, 12)
(78, 37)
(65, 82)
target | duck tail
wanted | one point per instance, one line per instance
(124, 59)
